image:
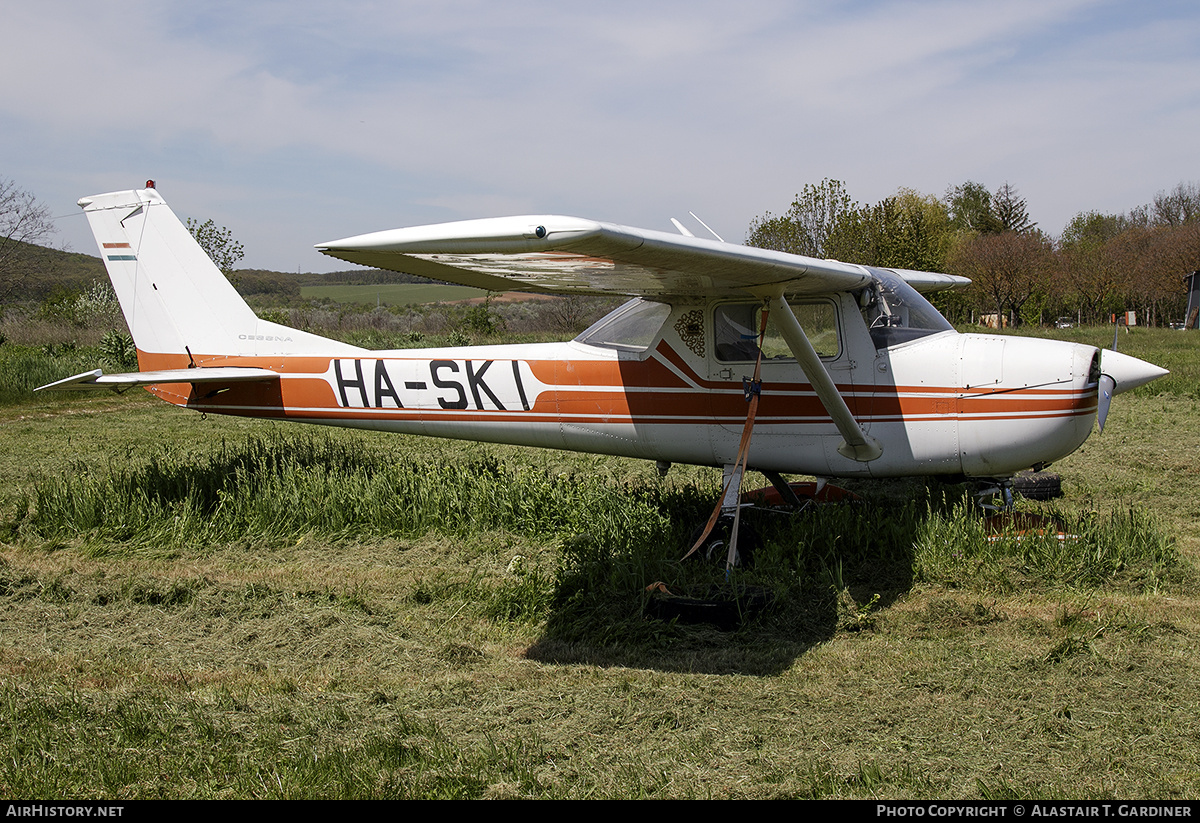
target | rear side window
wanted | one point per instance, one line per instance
(632, 327)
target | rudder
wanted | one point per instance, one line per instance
(174, 298)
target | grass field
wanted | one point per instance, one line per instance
(392, 294)
(216, 607)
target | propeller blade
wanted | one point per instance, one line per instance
(1107, 387)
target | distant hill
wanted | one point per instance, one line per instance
(288, 284)
(38, 271)
(43, 271)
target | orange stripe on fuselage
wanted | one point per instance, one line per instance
(622, 391)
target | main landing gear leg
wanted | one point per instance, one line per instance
(711, 537)
(731, 482)
(732, 474)
(999, 487)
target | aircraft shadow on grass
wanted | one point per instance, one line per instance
(808, 576)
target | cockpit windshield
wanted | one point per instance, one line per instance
(632, 327)
(895, 312)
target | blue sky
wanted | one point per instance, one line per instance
(297, 122)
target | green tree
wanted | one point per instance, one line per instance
(218, 244)
(970, 208)
(1010, 210)
(806, 227)
(908, 230)
(973, 209)
(921, 233)
(1091, 228)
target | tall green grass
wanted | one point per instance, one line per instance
(1080, 550)
(24, 368)
(275, 489)
(827, 567)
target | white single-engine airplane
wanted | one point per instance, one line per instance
(858, 376)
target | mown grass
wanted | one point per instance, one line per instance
(249, 745)
(230, 608)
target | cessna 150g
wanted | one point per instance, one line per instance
(855, 373)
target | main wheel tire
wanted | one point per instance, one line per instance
(715, 548)
(726, 607)
(1038, 485)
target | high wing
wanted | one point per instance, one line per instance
(551, 254)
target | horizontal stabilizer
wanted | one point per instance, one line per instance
(97, 379)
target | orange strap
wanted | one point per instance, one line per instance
(753, 394)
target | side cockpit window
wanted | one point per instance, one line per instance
(632, 327)
(736, 327)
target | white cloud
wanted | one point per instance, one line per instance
(302, 120)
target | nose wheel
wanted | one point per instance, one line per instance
(998, 494)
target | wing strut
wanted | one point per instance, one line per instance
(856, 445)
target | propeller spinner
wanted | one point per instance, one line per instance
(1120, 373)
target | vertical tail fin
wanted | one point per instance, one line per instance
(175, 299)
